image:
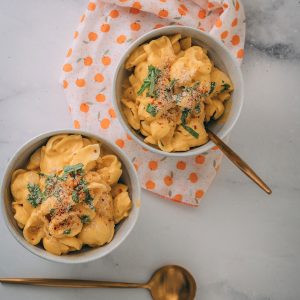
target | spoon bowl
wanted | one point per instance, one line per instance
(172, 283)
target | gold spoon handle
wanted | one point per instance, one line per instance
(243, 166)
(71, 283)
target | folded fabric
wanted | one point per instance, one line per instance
(106, 29)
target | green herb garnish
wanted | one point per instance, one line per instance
(50, 185)
(197, 108)
(35, 196)
(172, 84)
(84, 187)
(55, 187)
(73, 169)
(212, 87)
(151, 109)
(50, 179)
(67, 231)
(184, 115)
(191, 131)
(89, 199)
(75, 196)
(150, 81)
(52, 212)
(85, 219)
(144, 86)
(189, 89)
(225, 86)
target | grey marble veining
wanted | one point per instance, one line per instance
(240, 244)
(273, 27)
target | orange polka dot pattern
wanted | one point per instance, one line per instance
(103, 34)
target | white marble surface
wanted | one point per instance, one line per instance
(240, 244)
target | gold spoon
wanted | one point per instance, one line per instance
(243, 166)
(167, 283)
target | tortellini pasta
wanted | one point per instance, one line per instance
(172, 90)
(69, 195)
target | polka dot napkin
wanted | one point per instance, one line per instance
(106, 29)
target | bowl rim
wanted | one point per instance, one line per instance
(161, 31)
(67, 258)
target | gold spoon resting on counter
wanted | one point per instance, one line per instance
(167, 283)
(243, 166)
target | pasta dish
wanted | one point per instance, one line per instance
(171, 91)
(69, 195)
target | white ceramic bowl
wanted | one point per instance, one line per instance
(129, 177)
(222, 59)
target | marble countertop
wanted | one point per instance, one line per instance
(240, 244)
